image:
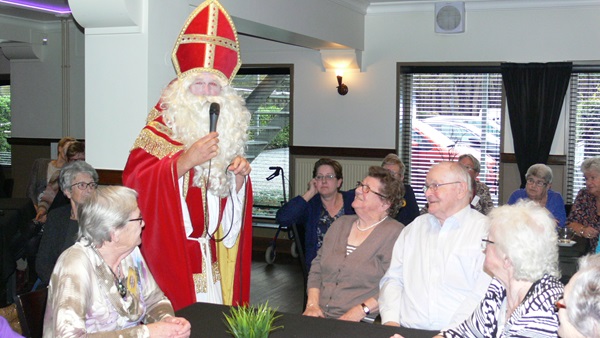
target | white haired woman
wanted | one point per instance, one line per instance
(579, 310)
(102, 284)
(522, 255)
(537, 189)
(584, 218)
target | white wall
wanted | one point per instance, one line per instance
(37, 106)
(124, 73)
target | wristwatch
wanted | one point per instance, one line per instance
(365, 309)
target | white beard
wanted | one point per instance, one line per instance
(188, 116)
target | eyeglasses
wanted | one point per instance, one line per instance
(140, 219)
(468, 168)
(325, 177)
(366, 189)
(485, 242)
(539, 184)
(84, 185)
(559, 305)
(436, 186)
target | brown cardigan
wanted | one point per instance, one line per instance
(347, 281)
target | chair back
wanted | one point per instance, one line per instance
(31, 307)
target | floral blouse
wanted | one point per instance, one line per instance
(83, 299)
(584, 211)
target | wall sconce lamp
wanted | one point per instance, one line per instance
(340, 61)
(342, 88)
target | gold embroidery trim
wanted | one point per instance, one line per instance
(155, 145)
(200, 278)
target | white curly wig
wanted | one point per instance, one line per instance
(188, 116)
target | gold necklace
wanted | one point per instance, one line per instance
(370, 226)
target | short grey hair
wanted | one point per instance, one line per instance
(393, 159)
(583, 305)
(540, 170)
(461, 174)
(107, 210)
(72, 169)
(476, 164)
(526, 233)
(592, 163)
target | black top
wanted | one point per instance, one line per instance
(60, 232)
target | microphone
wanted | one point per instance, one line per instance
(213, 112)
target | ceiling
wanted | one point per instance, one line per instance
(8, 9)
(12, 10)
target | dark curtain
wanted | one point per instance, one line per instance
(535, 93)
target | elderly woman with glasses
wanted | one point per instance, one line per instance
(579, 310)
(321, 204)
(522, 257)
(102, 283)
(78, 180)
(537, 189)
(344, 278)
(584, 218)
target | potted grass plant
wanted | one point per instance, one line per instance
(251, 322)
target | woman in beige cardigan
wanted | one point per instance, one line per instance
(344, 277)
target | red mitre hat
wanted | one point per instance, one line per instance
(208, 43)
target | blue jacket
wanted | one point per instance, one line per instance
(306, 217)
(555, 204)
(407, 214)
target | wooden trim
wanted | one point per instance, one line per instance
(340, 152)
(110, 177)
(29, 141)
(552, 159)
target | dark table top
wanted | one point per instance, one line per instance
(208, 321)
(579, 249)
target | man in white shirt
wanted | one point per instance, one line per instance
(436, 276)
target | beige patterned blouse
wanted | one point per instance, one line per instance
(83, 299)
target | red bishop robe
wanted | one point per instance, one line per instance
(173, 259)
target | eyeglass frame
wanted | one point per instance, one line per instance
(485, 242)
(368, 189)
(537, 183)
(559, 305)
(141, 219)
(329, 177)
(84, 185)
(436, 186)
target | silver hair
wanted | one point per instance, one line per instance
(72, 169)
(107, 210)
(540, 170)
(592, 163)
(461, 174)
(526, 233)
(476, 164)
(583, 305)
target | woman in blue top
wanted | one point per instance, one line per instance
(539, 181)
(321, 204)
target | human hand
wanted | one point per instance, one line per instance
(313, 310)
(172, 327)
(355, 314)
(590, 232)
(201, 151)
(41, 215)
(240, 166)
(392, 324)
(311, 190)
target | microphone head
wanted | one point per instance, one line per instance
(215, 108)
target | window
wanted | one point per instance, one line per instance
(5, 125)
(267, 95)
(446, 112)
(584, 125)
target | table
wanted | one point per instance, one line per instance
(208, 321)
(15, 213)
(568, 256)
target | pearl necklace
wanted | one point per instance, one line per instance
(370, 226)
